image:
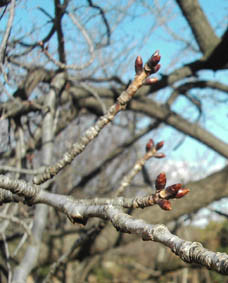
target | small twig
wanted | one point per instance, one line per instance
(96, 95)
(7, 32)
(73, 66)
(111, 156)
(136, 168)
(17, 221)
(23, 240)
(142, 74)
(7, 258)
(66, 256)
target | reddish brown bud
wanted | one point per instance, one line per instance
(164, 204)
(182, 192)
(176, 187)
(159, 145)
(149, 145)
(159, 155)
(150, 81)
(154, 59)
(138, 65)
(160, 181)
(155, 69)
(172, 190)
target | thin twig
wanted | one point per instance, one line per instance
(142, 73)
(89, 42)
(7, 258)
(7, 32)
(17, 221)
(134, 171)
(96, 95)
(22, 170)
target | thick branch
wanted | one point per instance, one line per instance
(80, 210)
(191, 252)
(40, 219)
(160, 112)
(154, 110)
(200, 26)
(59, 12)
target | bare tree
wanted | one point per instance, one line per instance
(67, 155)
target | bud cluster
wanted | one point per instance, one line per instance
(166, 193)
(152, 147)
(150, 67)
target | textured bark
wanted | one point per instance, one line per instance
(79, 211)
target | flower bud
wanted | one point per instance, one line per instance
(160, 181)
(154, 59)
(164, 204)
(173, 189)
(182, 192)
(159, 145)
(155, 69)
(149, 145)
(138, 65)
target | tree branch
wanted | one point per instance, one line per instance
(142, 73)
(199, 24)
(40, 219)
(7, 31)
(80, 210)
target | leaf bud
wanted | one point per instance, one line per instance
(182, 192)
(149, 145)
(138, 65)
(159, 145)
(154, 59)
(164, 204)
(159, 155)
(160, 181)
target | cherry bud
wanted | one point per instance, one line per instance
(164, 204)
(182, 192)
(173, 189)
(149, 145)
(159, 145)
(160, 181)
(154, 59)
(138, 65)
(155, 69)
